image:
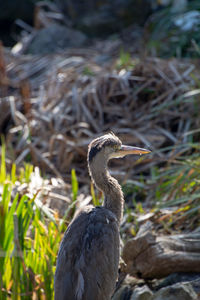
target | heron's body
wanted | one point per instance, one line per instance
(88, 258)
(95, 230)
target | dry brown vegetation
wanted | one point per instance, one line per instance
(54, 105)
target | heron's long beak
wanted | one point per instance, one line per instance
(125, 150)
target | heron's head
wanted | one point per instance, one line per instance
(109, 146)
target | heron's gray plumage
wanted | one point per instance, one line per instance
(97, 250)
(87, 263)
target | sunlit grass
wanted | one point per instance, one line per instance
(29, 241)
(178, 186)
(173, 189)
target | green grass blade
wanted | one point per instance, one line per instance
(74, 185)
(3, 161)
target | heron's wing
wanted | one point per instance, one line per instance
(101, 254)
(70, 248)
(88, 258)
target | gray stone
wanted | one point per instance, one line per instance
(55, 38)
(101, 18)
(178, 291)
(124, 292)
(192, 278)
(142, 293)
(10, 10)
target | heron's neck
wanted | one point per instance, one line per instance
(113, 196)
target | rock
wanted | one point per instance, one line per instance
(123, 293)
(142, 293)
(18, 9)
(101, 18)
(55, 38)
(196, 285)
(192, 278)
(178, 291)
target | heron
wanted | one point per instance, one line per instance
(88, 257)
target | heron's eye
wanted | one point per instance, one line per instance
(116, 147)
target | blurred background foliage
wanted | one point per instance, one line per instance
(174, 30)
